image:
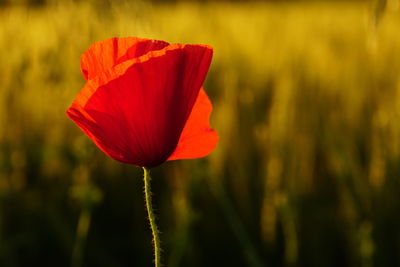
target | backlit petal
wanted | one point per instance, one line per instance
(198, 139)
(104, 55)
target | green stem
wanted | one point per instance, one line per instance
(152, 218)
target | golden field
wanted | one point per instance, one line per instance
(306, 101)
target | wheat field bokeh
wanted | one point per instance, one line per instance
(306, 100)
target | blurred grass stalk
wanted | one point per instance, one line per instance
(81, 237)
(87, 195)
(249, 250)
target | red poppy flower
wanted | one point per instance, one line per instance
(143, 103)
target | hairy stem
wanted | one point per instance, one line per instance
(152, 218)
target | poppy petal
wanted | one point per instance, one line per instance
(104, 55)
(136, 111)
(198, 139)
(89, 126)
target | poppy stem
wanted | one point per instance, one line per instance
(152, 218)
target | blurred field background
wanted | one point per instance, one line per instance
(307, 172)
